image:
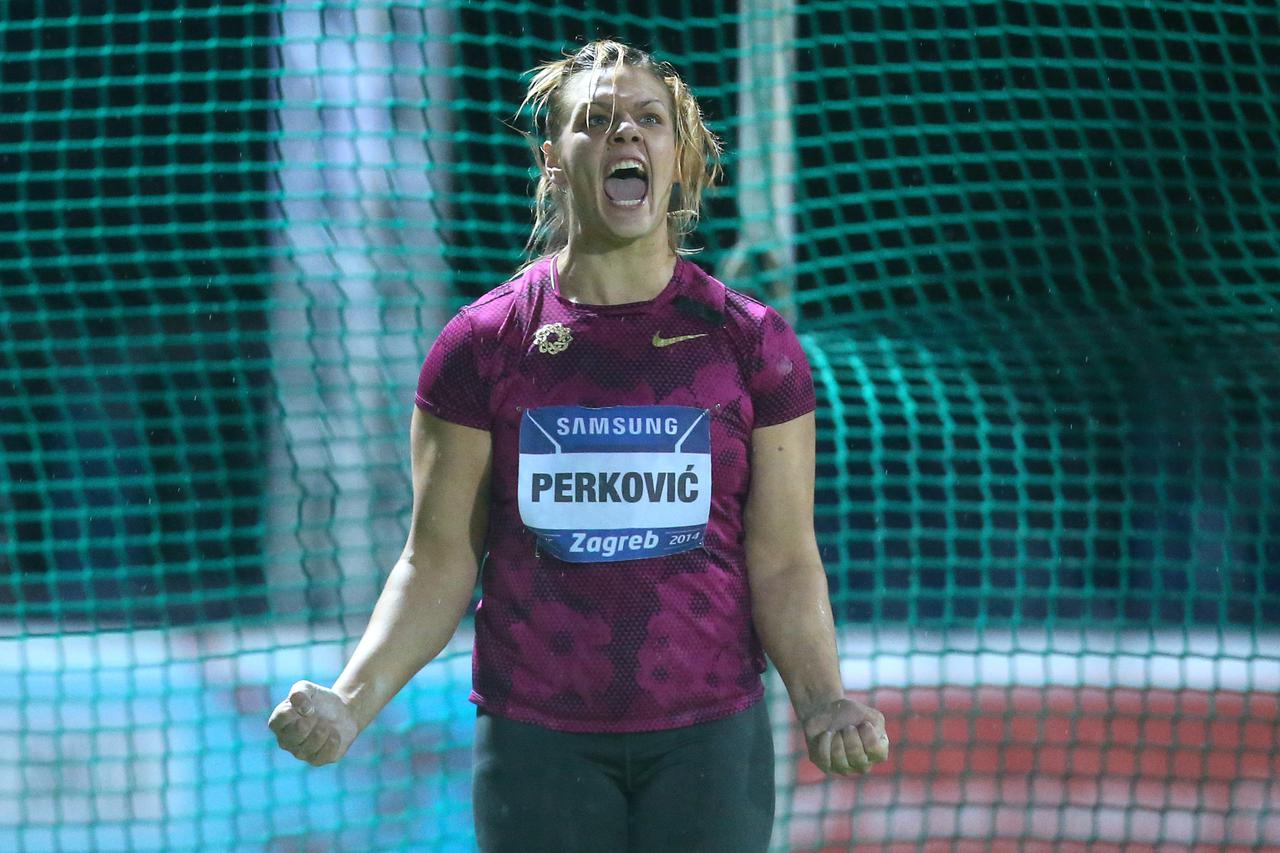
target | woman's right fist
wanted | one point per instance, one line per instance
(314, 724)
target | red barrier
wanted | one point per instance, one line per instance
(1058, 768)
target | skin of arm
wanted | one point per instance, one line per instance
(791, 604)
(430, 586)
(424, 599)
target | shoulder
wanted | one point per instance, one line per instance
(498, 310)
(471, 350)
(751, 313)
(771, 355)
(500, 299)
(743, 315)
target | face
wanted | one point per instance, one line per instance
(615, 155)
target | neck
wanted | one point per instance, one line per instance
(636, 272)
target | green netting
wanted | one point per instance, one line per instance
(1033, 247)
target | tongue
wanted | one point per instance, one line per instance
(624, 189)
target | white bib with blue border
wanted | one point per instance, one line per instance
(615, 483)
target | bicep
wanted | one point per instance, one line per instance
(451, 470)
(779, 512)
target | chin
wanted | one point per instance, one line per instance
(633, 227)
(631, 235)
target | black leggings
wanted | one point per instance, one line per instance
(707, 787)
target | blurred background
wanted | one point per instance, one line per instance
(1033, 251)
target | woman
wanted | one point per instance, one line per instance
(628, 447)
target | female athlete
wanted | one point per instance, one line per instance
(626, 446)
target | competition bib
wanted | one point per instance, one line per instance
(615, 483)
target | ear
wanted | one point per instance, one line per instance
(551, 163)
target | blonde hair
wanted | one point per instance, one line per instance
(697, 148)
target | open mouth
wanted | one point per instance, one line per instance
(627, 183)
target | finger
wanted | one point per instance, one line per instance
(849, 744)
(301, 697)
(323, 754)
(293, 735)
(820, 751)
(329, 754)
(281, 716)
(839, 762)
(875, 743)
(311, 744)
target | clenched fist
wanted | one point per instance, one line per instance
(314, 724)
(845, 737)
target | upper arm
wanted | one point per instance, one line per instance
(779, 513)
(451, 470)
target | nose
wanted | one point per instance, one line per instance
(626, 131)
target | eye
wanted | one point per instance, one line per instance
(651, 118)
(596, 120)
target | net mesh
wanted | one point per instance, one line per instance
(1034, 252)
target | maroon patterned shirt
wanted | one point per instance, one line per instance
(614, 591)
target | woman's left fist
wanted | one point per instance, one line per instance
(845, 737)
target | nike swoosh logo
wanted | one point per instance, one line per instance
(659, 341)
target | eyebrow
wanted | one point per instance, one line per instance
(601, 102)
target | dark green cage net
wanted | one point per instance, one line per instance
(1033, 249)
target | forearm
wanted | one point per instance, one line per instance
(792, 615)
(415, 617)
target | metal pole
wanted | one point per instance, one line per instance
(361, 126)
(765, 251)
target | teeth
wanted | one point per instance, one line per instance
(628, 164)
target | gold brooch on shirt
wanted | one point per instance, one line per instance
(553, 338)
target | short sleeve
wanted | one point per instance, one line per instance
(450, 385)
(782, 384)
